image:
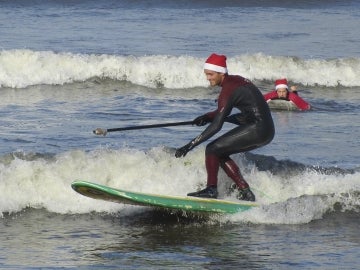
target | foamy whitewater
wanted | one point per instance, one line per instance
(310, 193)
(22, 68)
(67, 68)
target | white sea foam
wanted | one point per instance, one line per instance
(22, 68)
(46, 183)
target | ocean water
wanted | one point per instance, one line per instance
(68, 67)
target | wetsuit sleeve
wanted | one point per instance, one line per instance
(212, 114)
(224, 109)
(270, 95)
(237, 119)
(299, 102)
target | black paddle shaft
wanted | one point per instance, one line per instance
(151, 126)
(100, 131)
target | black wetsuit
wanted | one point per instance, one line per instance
(255, 125)
(255, 128)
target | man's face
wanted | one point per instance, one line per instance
(282, 92)
(215, 78)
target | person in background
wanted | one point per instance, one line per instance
(254, 129)
(282, 92)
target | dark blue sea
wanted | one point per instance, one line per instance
(68, 67)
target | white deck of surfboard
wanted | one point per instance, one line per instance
(280, 104)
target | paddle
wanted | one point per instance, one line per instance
(100, 131)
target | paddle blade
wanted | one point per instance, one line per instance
(100, 131)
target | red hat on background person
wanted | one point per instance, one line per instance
(216, 63)
(281, 83)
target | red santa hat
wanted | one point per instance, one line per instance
(281, 83)
(216, 63)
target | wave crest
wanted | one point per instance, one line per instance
(22, 68)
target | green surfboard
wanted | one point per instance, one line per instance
(189, 204)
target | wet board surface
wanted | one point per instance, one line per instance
(186, 203)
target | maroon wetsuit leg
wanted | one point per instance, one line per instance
(212, 164)
(233, 171)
